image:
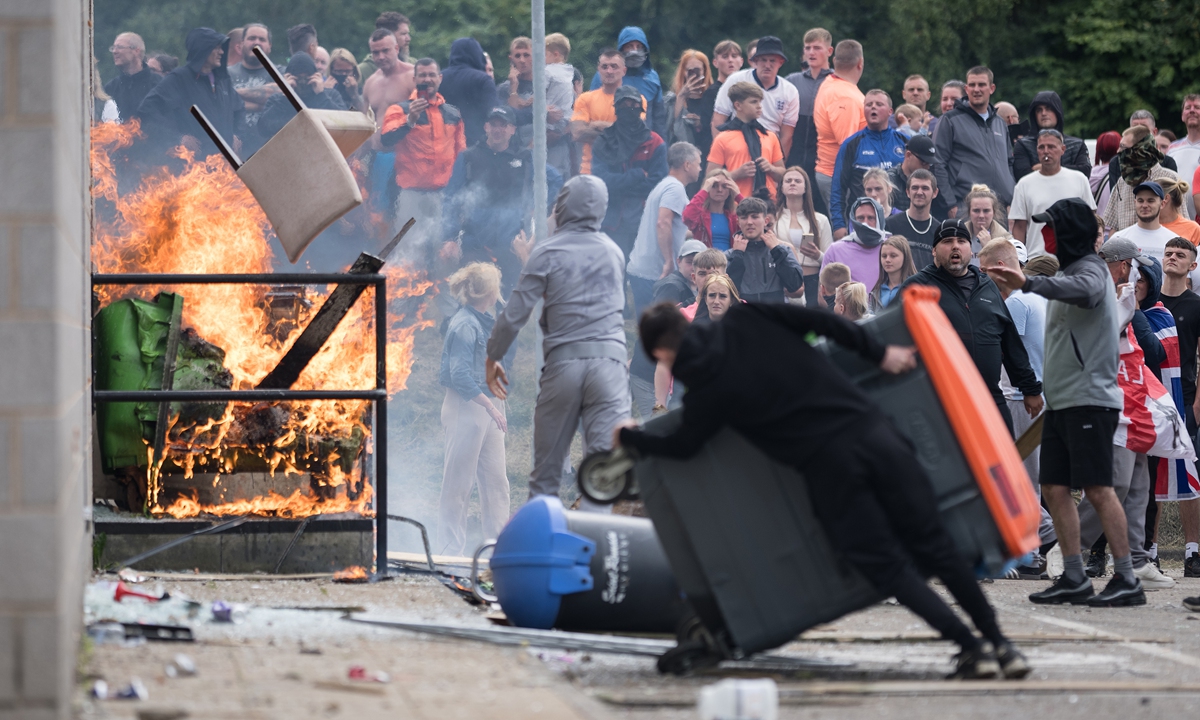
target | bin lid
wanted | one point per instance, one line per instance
(537, 560)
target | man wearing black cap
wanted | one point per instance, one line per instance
(1148, 233)
(977, 311)
(1083, 401)
(781, 99)
(919, 154)
(302, 74)
(489, 199)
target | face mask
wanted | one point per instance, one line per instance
(626, 115)
(635, 58)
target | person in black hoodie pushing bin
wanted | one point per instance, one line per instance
(872, 498)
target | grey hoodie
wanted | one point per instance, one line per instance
(1080, 367)
(579, 271)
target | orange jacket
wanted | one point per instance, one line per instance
(426, 150)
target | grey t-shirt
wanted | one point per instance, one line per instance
(244, 77)
(645, 261)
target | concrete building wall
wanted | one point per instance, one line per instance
(45, 528)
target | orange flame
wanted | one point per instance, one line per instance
(203, 219)
(352, 574)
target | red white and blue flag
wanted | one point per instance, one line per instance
(1176, 478)
(1150, 424)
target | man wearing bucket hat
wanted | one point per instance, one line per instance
(1083, 401)
(781, 99)
(977, 311)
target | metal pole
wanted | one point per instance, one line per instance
(539, 120)
(381, 437)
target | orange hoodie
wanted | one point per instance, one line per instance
(425, 152)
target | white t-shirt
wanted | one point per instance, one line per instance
(1152, 242)
(780, 106)
(645, 260)
(1036, 192)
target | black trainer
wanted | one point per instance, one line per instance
(1191, 566)
(1064, 591)
(1192, 604)
(1119, 593)
(1097, 564)
(977, 664)
(1013, 664)
(1035, 571)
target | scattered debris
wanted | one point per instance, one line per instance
(228, 612)
(135, 690)
(181, 666)
(162, 714)
(130, 575)
(309, 650)
(358, 687)
(123, 591)
(735, 699)
(344, 609)
(360, 673)
(100, 690)
(352, 574)
(167, 633)
(107, 633)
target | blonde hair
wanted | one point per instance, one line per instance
(878, 173)
(816, 34)
(345, 56)
(558, 43)
(980, 191)
(710, 259)
(910, 112)
(475, 282)
(681, 70)
(1000, 249)
(702, 296)
(1175, 190)
(834, 275)
(730, 200)
(853, 296)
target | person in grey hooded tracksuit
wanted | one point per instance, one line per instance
(580, 274)
(973, 150)
(1083, 401)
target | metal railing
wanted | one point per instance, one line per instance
(378, 395)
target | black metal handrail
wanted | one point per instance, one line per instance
(378, 395)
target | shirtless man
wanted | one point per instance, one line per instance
(395, 80)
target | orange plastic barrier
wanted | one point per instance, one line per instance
(978, 425)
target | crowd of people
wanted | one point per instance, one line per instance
(733, 185)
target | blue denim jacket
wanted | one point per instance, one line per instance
(465, 351)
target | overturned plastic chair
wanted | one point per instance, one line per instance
(310, 153)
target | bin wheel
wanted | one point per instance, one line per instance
(687, 657)
(605, 477)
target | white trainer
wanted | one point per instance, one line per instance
(1152, 578)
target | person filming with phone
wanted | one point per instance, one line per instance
(428, 135)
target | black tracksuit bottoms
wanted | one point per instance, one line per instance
(879, 510)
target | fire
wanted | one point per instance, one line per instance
(352, 574)
(202, 219)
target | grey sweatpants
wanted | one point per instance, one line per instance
(1131, 481)
(825, 185)
(1033, 463)
(592, 390)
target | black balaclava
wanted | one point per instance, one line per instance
(619, 141)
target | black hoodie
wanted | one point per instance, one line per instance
(732, 370)
(467, 87)
(279, 111)
(1075, 154)
(165, 111)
